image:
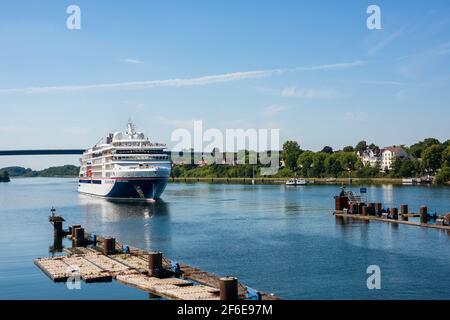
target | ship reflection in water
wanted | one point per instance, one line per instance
(145, 221)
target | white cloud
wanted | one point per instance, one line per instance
(273, 109)
(197, 81)
(132, 61)
(383, 82)
(311, 93)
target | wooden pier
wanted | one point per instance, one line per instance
(92, 260)
(349, 205)
(342, 214)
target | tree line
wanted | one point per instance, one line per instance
(427, 157)
(4, 176)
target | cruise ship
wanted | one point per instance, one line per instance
(125, 166)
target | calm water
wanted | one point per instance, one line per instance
(275, 238)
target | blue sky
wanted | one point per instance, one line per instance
(310, 68)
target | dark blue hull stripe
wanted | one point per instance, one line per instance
(138, 189)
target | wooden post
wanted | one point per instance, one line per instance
(423, 214)
(154, 263)
(75, 226)
(365, 210)
(109, 246)
(378, 208)
(372, 208)
(228, 288)
(79, 237)
(404, 212)
(58, 228)
(404, 209)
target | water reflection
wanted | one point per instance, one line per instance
(57, 246)
(115, 210)
(147, 220)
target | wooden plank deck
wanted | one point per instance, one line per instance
(132, 269)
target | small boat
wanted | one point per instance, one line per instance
(408, 181)
(330, 180)
(296, 182)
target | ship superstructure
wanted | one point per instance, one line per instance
(125, 166)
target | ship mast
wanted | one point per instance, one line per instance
(130, 128)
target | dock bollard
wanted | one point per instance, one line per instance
(154, 263)
(109, 246)
(365, 210)
(372, 208)
(79, 237)
(404, 211)
(228, 288)
(378, 208)
(423, 214)
(75, 226)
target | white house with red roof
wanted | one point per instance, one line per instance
(389, 154)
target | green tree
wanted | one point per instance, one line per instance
(4, 176)
(348, 149)
(446, 157)
(318, 165)
(327, 149)
(432, 157)
(396, 166)
(417, 149)
(403, 168)
(332, 165)
(291, 151)
(361, 146)
(304, 162)
(348, 160)
(443, 175)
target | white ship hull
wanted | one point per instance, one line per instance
(147, 189)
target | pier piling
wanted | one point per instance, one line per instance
(109, 246)
(75, 226)
(372, 208)
(58, 228)
(423, 214)
(228, 288)
(365, 210)
(78, 239)
(154, 263)
(404, 212)
(378, 208)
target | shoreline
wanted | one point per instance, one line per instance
(313, 181)
(279, 180)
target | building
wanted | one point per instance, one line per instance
(370, 157)
(383, 158)
(389, 154)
